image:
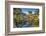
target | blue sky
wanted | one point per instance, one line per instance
(25, 10)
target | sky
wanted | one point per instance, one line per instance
(25, 10)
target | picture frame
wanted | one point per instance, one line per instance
(9, 5)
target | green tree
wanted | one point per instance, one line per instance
(30, 12)
(37, 11)
(17, 11)
(35, 21)
(17, 15)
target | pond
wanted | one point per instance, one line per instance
(25, 24)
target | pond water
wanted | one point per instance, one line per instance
(25, 24)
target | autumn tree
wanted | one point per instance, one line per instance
(30, 17)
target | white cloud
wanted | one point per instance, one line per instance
(25, 12)
(33, 12)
